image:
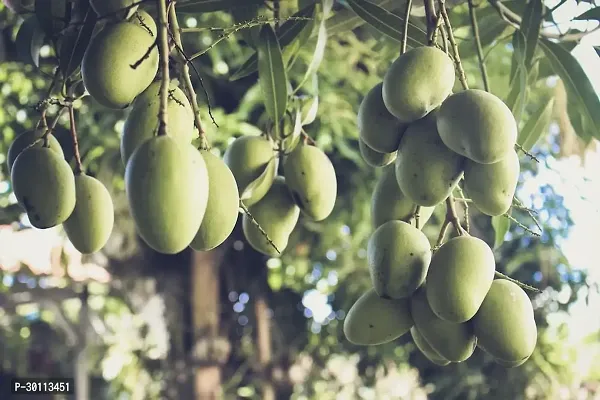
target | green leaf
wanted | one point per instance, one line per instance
(272, 75)
(517, 96)
(577, 83)
(52, 15)
(500, 224)
(266, 178)
(29, 41)
(531, 26)
(536, 126)
(75, 42)
(292, 131)
(248, 67)
(317, 56)
(199, 6)
(387, 23)
(345, 20)
(593, 13)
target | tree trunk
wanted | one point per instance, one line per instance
(263, 340)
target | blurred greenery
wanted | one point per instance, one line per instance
(141, 316)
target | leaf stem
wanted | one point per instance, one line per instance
(78, 167)
(405, 26)
(255, 223)
(525, 286)
(479, 48)
(163, 49)
(456, 56)
(431, 19)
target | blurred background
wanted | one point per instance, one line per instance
(129, 323)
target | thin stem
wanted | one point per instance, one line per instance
(184, 62)
(475, 27)
(418, 217)
(456, 56)
(525, 286)
(255, 223)
(528, 154)
(431, 19)
(438, 24)
(163, 49)
(276, 12)
(466, 208)
(78, 168)
(444, 38)
(450, 219)
(405, 26)
(529, 211)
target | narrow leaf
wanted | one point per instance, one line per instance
(500, 224)
(536, 126)
(593, 13)
(317, 56)
(29, 41)
(346, 20)
(248, 67)
(531, 26)
(199, 6)
(387, 23)
(293, 131)
(577, 83)
(272, 75)
(261, 183)
(517, 97)
(75, 42)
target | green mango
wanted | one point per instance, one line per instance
(277, 214)
(426, 170)
(167, 187)
(111, 8)
(426, 349)
(389, 203)
(145, 20)
(505, 324)
(398, 255)
(44, 185)
(91, 223)
(106, 67)
(459, 277)
(379, 129)
(492, 186)
(511, 364)
(223, 205)
(374, 320)
(417, 82)
(311, 178)
(27, 138)
(454, 342)
(247, 157)
(477, 125)
(374, 158)
(142, 122)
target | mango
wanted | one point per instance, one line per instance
(505, 324)
(107, 70)
(142, 122)
(247, 157)
(277, 215)
(511, 364)
(374, 158)
(477, 125)
(389, 203)
(459, 277)
(426, 349)
(379, 129)
(398, 255)
(44, 185)
(374, 320)
(222, 208)
(27, 138)
(426, 170)
(454, 342)
(311, 179)
(167, 187)
(106, 8)
(145, 20)
(90, 224)
(417, 82)
(492, 186)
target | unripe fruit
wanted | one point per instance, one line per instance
(310, 176)
(389, 203)
(374, 158)
(426, 349)
(222, 208)
(106, 8)
(142, 122)
(90, 224)
(477, 125)
(167, 187)
(379, 129)
(373, 320)
(417, 82)
(44, 185)
(398, 255)
(26, 139)
(505, 324)
(492, 187)
(426, 170)
(145, 20)
(107, 69)
(460, 275)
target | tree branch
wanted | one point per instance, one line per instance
(163, 49)
(475, 27)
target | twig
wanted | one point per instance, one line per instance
(550, 11)
(525, 286)
(451, 219)
(78, 168)
(255, 223)
(529, 211)
(405, 26)
(276, 12)
(466, 207)
(456, 56)
(513, 219)
(418, 217)
(145, 56)
(258, 21)
(475, 27)
(442, 30)
(528, 154)
(163, 49)
(431, 19)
